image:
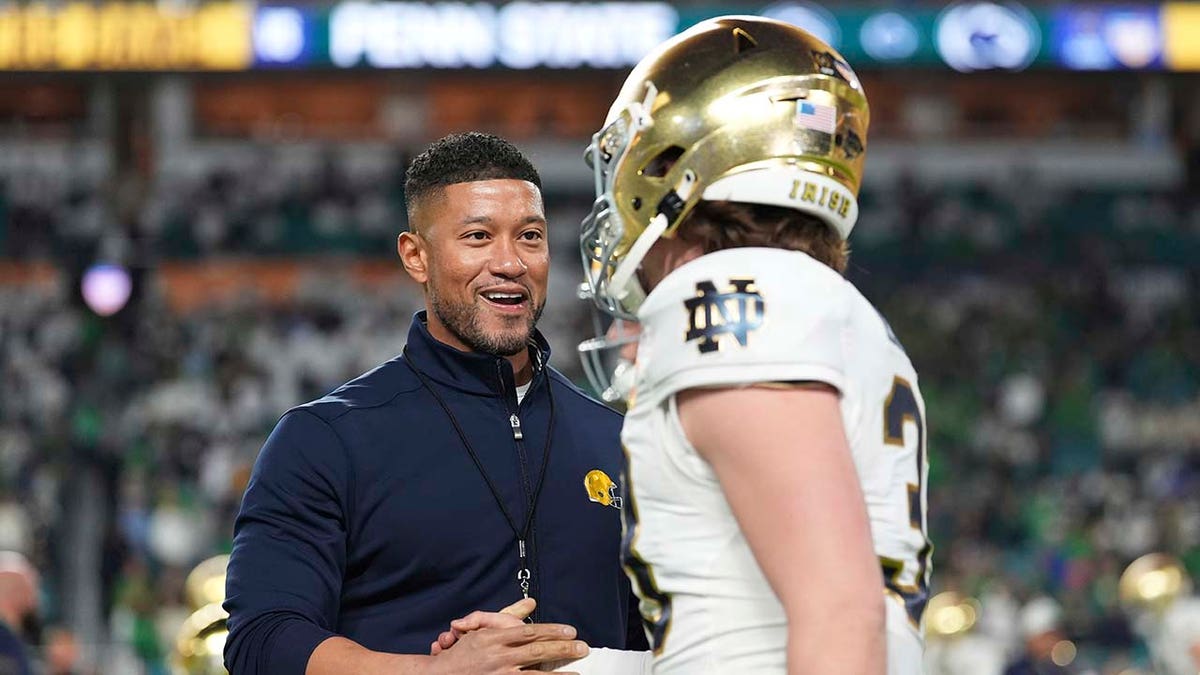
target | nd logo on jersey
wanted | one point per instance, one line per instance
(712, 314)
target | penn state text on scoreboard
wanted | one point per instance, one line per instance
(969, 35)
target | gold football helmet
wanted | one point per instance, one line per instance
(736, 108)
(201, 639)
(1153, 582)
(200, 644)
(950, 614)
(205, 584)
(602, 489)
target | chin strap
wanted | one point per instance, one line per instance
(669, 209)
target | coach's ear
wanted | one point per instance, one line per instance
(414, 254)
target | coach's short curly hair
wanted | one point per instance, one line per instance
(465, 158)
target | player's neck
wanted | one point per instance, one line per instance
(666, 256)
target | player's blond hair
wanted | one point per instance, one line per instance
(718, 225)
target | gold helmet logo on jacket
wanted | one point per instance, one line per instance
(601, 489)
(736, 108)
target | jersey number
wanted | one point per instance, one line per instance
(899, 408)
(655, 606)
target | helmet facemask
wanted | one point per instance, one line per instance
(606, 358)
(603, 243)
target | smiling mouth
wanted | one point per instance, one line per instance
(506, 300)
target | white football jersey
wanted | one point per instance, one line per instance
(740, 317)
(1174, 637)
(970, 654)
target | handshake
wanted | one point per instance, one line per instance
(501, 642)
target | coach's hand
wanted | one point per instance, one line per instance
(510, 617)
(502, 651)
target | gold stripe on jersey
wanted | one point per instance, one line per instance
(641, 573)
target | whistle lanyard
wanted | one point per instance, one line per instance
(524, 576)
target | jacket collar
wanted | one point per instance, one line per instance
(472, 372)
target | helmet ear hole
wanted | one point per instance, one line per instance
(660, 164)
(742, 41)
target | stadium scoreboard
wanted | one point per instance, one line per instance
(231, 36)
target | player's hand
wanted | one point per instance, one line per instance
(506, 651)
(510, 617)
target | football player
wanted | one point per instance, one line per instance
(775, 488)
(1156, 591)
(955, 645)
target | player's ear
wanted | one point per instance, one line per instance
(414, 255)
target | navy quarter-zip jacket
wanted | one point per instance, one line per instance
(366, 517)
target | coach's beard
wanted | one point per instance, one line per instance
(465, 321)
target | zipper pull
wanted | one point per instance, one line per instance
(515, 423)
(523, 574)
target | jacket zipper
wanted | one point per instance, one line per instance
(536, 562)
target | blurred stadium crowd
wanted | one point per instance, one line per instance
(1057, 333)
(1054, 315)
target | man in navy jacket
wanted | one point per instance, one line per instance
(449, 479)
(18, 613)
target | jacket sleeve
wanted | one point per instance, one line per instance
(284, 581)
